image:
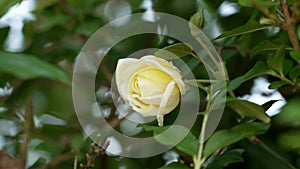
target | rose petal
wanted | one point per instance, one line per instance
(165, 107)
(123, 73)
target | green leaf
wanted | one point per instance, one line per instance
(175, 166)
(52, 22)
(223, 138)
(294, 73)
(260, 68)
(29, 67)
(198, 19)
(6, 4)
(290, 140)
(229, 157)
(245, 3)
(250, 26)
(276, 62)
(248, 109)
(267, 46)
(295, 55)
(287, 66)
(289, 115)
(277, 84)
(178, 49)
(175, 137)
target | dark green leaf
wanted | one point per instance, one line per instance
(229, 157)
(179, 49)
(294, 73)
(29, 67)
(175, 136)
(175, 166)
(268, 104)
(223, 138)
(248, 109)
(276, 61)
(260, 68)
(267, 46)
(290, 140)
(277, 84)
(250, 26)
(295, 55)
(6, 4)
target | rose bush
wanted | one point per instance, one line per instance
(151, 85)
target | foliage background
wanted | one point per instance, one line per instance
(38, 122)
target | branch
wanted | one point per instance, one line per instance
(290, 25)
(27, 131)
(95, 151)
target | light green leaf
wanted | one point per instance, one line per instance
(294, 73)
(290, 140)
(175, 166)
(6, 4)
(229, 157)
(245, 3)
(276, 61)
(178, 49)
(260, 68)
(295, 55)
(29, 67)
(267, 46)
(250, 26)
(287, 66)
(223, 138)
(277, 84)
(189, 144)
(198, 19)
(53, 21)
(248, 109)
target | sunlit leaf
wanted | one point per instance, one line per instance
(248, 109)
(229, 157)
(250, 26)
(223, 138)
(179, 49)
(173, 137)
(295, 55)
(175, 166)
(29, 67)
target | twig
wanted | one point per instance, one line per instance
(290, 25)
(95, 151)
(75, 162)
(27, 131)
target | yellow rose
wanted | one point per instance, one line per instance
(151, 85)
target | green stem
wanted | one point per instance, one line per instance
(199, 160)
